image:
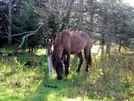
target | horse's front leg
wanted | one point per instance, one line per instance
(81, 61)
(49, 65)
(66, 62)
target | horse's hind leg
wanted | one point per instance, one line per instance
(87, 54)
(81, 61)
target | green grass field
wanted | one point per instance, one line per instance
(109, 79)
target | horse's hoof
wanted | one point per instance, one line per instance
(77, 70)
(59, 78)
(87, 70)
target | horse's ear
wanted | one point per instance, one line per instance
(53, 40)
(46, 39)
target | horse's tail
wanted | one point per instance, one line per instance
(90, 58)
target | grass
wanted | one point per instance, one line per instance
(110, 78)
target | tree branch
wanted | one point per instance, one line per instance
(24, 37)
(4, 14)
(2, 36)
(15, 4)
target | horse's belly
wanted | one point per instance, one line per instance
(76, 50)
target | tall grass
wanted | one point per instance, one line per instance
(110, 78)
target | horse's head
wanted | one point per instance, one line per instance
(58, 66)
(57, 59)
(50, 45)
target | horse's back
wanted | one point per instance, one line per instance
(75, 41)
(79, 36)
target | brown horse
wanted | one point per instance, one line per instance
(70, 42)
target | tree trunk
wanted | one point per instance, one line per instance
(65, 19)
(109, 43)
(102, 43)
(10, 22)
(91, 16)
(120, 46)
(80, 24)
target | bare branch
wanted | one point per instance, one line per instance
(24, 37)
(22, 33)
(14, 4)
(4, 14)
(14, 35)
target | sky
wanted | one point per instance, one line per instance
(131, 2)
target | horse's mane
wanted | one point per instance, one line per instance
(58, 46)
(59, 40)
(55, 56)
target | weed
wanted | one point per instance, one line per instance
(110, 78)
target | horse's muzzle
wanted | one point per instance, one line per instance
(59, 78)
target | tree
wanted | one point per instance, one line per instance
(3, 23)
(112, 20)
(105, 20)
(10, 5)
(28, 20)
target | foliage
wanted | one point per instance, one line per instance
(106, 20)
(110, 78)
(28, 20)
